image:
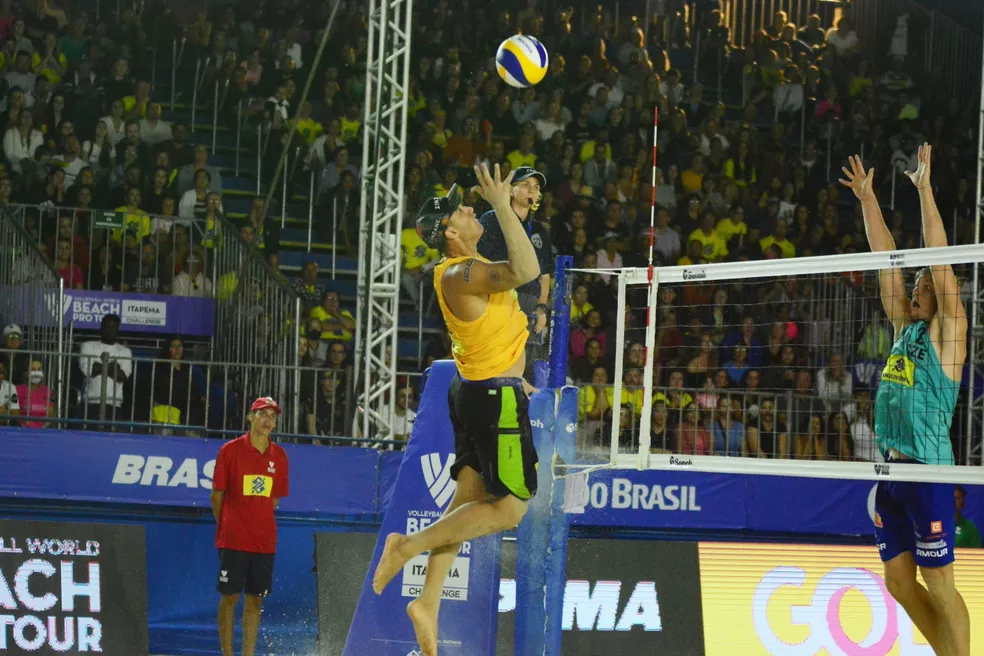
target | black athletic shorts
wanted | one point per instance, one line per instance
(243, 571)
(492, 434)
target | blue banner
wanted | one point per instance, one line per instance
(172, 471)
(145, 313)
(470, 599)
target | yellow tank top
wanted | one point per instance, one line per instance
(488, 346)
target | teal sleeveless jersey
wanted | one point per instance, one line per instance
(915, 401)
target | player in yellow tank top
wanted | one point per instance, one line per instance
(495, 462)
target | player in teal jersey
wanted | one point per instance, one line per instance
(915, 522)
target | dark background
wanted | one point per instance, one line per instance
(123, 580)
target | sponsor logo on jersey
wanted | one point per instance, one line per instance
(900, 370)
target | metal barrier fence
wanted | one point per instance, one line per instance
(31, 301)
(110, 388)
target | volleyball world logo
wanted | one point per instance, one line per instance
(825, 615)
(440, 485)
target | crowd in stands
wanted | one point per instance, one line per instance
(744, 172)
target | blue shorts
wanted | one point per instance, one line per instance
(916, 517)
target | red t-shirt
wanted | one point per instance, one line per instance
(72, 275)
(251, 481)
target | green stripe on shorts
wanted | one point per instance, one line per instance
(510, 449)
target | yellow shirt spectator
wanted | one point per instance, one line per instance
(684, 401)
(47, 71)
(415, 252)
(341, 334)
(728, 228)
(350, 129)
(691, 181)
(129, 102)
(137, 218)
(517, 159)
(785, 246)
(588, 150)
(309, 129)
(712, 246)
(579, 312)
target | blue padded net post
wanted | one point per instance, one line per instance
(541, 559)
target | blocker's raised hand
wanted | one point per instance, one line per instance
(920, 177)
(859, 181)
(493, 189)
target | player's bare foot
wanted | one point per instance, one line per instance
(391, 562)
(424, 618)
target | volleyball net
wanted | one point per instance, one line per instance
(773, 367)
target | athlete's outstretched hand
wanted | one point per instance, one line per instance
(920, 177)
(859, 181)
(493, 189)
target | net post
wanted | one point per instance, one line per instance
(619, 363)
(560, 322)
(645, 437)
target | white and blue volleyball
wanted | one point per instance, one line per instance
(521, 61)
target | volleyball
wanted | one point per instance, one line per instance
(521, 61)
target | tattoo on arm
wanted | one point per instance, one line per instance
(493, 275)
(467, 274)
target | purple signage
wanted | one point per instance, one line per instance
(175, 315)
(146, 313)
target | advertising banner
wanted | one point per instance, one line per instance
(147, 313)
(620, 597)
(806, 600)
(172, 471)
(72, 588)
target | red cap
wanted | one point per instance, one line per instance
(264, 402)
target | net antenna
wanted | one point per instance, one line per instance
(645, 420)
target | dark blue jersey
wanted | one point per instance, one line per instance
(492, 246)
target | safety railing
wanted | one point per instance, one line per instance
(109, 387)
(31, 299)
(257, 312)
(123, 250)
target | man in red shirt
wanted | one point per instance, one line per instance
(250, 479)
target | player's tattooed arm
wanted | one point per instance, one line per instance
(482, 278)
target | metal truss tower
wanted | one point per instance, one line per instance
(975, 406)
(382, 212)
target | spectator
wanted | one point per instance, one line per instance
(21, 142)
(308, 287)
(106, 366)
(674, 396)
(729, 434)
(703, 363)
(146, 275)
(35, 398)
(590, 328)
(968, 535)
(659, 433)
(876, 341)
(70, 272)
(187, 175)
(746, 337)
(191, 281)
(713, 247)
(579, 304)
(609, 257)
(582, 368)
(326, 416)
(336, 323)
(835, 386)
(134, 219)
(692, 437)
(738, 364)
(176, 398)
(9, 405)
(840, 445)
(154, 130)
(777, 244)
(16, 362)
(402, 417)
(862, 432)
